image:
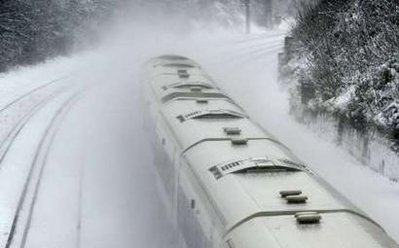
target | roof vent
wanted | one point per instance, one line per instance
(202, 101)
(181, 65)
(192, 84)
(232, 130)
(172, 57)
(182, 71)
(296, 199)
(195, 89)
(308, 218)
(216, 172)
(185, 75)
(285, 193)
(193, 95)
(210, 114)
(239, 142)
(231, 165)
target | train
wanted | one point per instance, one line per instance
(228, 182)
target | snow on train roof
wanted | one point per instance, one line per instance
(172, 80)
(165, 93)
(193, 122)
(162, 65)
(206, 145)
(170, 58)
(259, 191)
(183, 73)
(342, 230)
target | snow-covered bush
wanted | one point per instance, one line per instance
(350, 46)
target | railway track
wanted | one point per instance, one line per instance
(20, 110)
(27, 106)
(31, 188)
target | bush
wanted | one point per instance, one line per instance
(351, 44)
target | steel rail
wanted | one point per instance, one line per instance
(16, 129)
(42, 150)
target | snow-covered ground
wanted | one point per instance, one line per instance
(98, 187)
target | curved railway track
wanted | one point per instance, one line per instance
(25, 108)
(14, 106)
(34, 178)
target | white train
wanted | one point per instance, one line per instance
(230, 183)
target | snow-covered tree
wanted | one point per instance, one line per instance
(352, 46)
(31, 31)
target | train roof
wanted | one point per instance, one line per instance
(258, 191)
(172, 61)
(336, 230)
(194, 122)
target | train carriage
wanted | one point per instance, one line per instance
(230, 183)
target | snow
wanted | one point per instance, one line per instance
(16, 166)
(21, 80)
(390, 115)
(342, 101)
(98, 187)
